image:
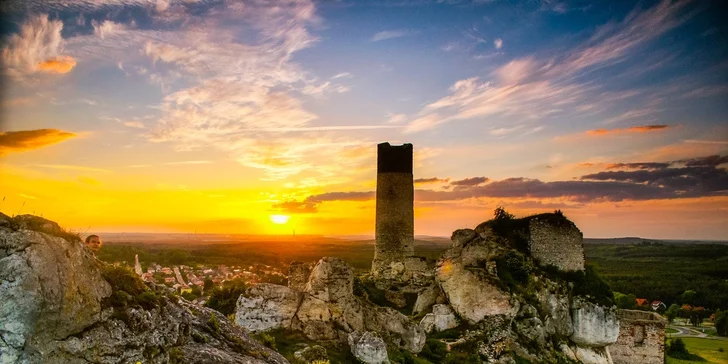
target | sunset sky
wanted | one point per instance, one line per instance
(261, 117)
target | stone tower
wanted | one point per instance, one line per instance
(395, 220)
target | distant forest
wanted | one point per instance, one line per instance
(660, 271)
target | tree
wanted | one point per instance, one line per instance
(688, 297)
(501, 214)
(624, 301)
(208, 284)
(721, 323)
(672, 312)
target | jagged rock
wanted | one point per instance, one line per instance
(530, 325)
(461, 237)
(298, 273)
(426, 298)
(594, 325)
(331, 280)
(50, 289)
(311, 353)
(554, 301)
(368, 347)
(442, 318)
(389, 320)
(52, 292)
(266, 306)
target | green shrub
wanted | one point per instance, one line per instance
(677, 350)
(434, 350)
(267, 340)
(224, 299)
(127, 289)
(513, 269)
(213, 323)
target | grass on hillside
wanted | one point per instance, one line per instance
(707, 349)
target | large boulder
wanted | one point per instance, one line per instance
(50, 289)
(298, 273)
(473, 296)
(426, 298)
(266, 306)
(368, 347)
(594, 325)
(311, 354)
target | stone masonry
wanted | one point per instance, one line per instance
(641, 338)
(394, 232)
(556, 243)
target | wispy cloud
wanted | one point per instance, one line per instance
(533, 88)
(391, 34)
(432, 180)
(20, 141)
(498, 43)
(71, 167)
(633, 129)
(37, 47)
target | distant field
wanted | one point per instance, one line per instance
(708, 349)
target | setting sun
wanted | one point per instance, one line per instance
(279, 219)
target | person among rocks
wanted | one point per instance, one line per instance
(93, 242)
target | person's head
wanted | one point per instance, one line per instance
(93, 242)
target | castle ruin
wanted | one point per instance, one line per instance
(395, 219)
(559, 243)
(641, 338)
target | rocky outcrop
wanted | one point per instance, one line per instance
(266, 306)
(594, 325)
(442, 318)
(427, 297)
(554, 301)
(327, 309)
(368, 347)
(298, 273)
(468, 286)
(57, 307)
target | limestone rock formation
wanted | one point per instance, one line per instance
(368, 347)
(471, 289)
(594, 325)
(58, 307)
(327, 309)
(266, 306)
(442, 318)
(298, 273)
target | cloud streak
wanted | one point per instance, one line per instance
(24, 140)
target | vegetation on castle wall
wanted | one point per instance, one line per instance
(515, 231)
(586, 283)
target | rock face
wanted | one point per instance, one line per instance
(469, 287)
(298, 273)
(368, 347)
(641, 338)
(594, 325)
(326, 310)
(266, 306)
(442, 318)
(51, 288)
(54, 310)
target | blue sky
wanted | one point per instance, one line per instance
(281, 102)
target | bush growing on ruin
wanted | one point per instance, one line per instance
(128, 289)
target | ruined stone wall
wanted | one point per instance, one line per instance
(394, 230)
(556, 243)
(641, 338)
